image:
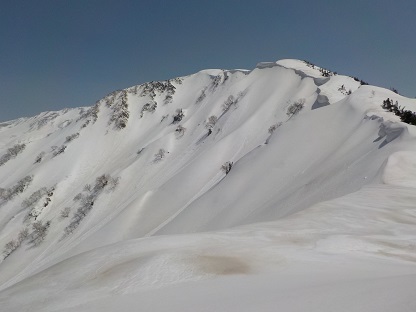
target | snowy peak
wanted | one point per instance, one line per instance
(287, 143)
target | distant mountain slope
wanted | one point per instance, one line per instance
(87, 193)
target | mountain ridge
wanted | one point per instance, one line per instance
(197, 162)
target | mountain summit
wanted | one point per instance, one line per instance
(286, 187)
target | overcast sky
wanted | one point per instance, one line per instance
(70, 53)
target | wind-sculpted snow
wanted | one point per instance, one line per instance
(287, 175)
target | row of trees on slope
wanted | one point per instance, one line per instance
(33, 235)
(406, 116)
(11, 153)
(34, 229)
(327, 73)
(35, 232)
(87, 198)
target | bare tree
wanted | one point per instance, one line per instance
(159, 155)
(39, 233)
(168, 99)
(148, 107)
(9, 248)
(65, 212)
(179, 115)
(101, 182)
(59, 150)
(180, 130)
(39, 158)
(226, 167)
(23, 235)
(78, 197)
(87, 187)
(71, 137)
(114, 182)
(273, 128)
(228, 103)
(212, 120)
(201, 97)
(295, 108)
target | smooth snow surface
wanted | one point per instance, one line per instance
(317, 215)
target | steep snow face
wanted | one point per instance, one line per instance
(87, 193)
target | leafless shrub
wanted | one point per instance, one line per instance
(87, 188)
(78, 197)
(180, 130)
(201, 97)
(10, 247)
(212, 120)
(71, 137)
(226, 167)
(178, 80)
(23, 235)
(148, 107)
(295, 108)
(39, 158)
(168, 99)
(113, 183)
(40, 230)
(216, 81)
(65, 212)
(159, 155)
(233, 101)
(59, 150)
(101, 182)
(228, 103)
(179, 115)
(273, 128)
(3, 193)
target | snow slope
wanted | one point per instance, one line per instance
(316, 214)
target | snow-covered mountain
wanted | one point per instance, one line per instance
(287, 187)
